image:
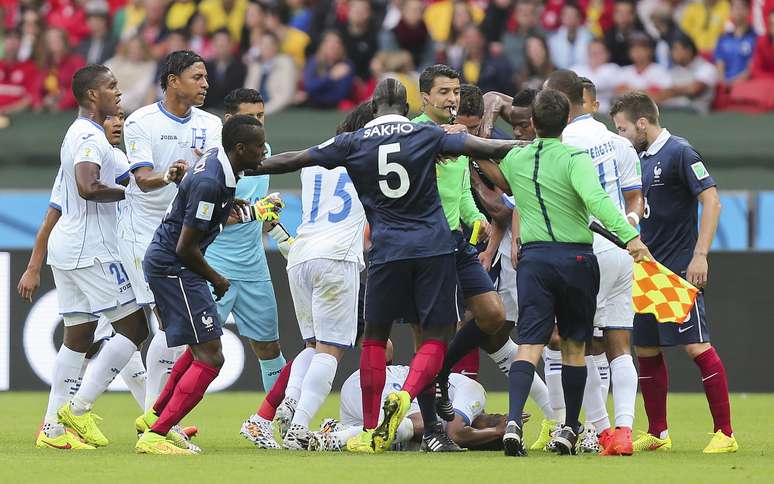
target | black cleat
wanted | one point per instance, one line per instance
(438, 441)
(443, 404)
(565, 441)
(513, 440)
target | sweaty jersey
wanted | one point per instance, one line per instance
(673, 175)
(237, 253)
(156, 138)
(392, 165)
(122, 173)
(203, 202)
(332, 218)
(614, 158)
(86, 232)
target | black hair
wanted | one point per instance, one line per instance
(687, 42)
(357, 118)
(240, 129)
(550, 111)
(568, 83)
(524, 98)
(428, 76)
(239, 96)
(390, 93)
(635, 105)
(222, 30)
(181, 32)
(87, 78)
(588, 85)
(471, 101)
(175, 63)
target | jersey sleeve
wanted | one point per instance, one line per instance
(693, 173)
(469, 400)
(333, 152)
(122, 165)
(630, 168)
(203, 195)
(468, 210)
(453, 144)
(138, 145)
(214, 135)
(89, 150)
(55, 201)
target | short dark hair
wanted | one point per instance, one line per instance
(390, 93)
(222, 30)
(87, 78)
(524, 98)
(568, 83)
(239, 96)
(687, 42)
(588, 85)
(357, 118)
(184, 33)
(239, 129)
(550, 112)
(175, 63)
(428, 76)
(471, 101)
(635, 105)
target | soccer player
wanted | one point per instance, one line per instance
(178, 275)
(162, 139)
(83, 257)
(617, 165)
(555, 188)
(590, 102)
(675, 181)
(412, 272)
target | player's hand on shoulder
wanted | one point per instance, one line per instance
(638, 250)
(454, 128)
(220, 287)
(697, 270)
(28, 284)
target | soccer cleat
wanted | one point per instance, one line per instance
(590, 442)
(617, 442)
(721, 444)
(296, 438)
(513, 440)
(395, 407)
(443, 404)
(190, 432)
(84, 425)
(67, 440)
(437, 440)
(546, 430)
(282, 418)
(646, 442)
(566, 441)
(144, 422)
(604, 438)
(180, 439)
(325, 442)
(362, 443)
(258, 430)
(329, 425)
(153, 443)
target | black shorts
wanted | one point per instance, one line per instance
(421, 291)
(473, 279)
(695, 329)
(558, 283)
(188, 312)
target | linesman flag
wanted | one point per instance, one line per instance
(662, 293)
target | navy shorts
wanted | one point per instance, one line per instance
(558, 284)
(188, 312)
(695, 329)
(421, 291)
(473, 279)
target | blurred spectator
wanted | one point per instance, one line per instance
(299, 14)
(16, 77)
(735, 48)
(199, 40)
(135, 71)
(599, 16)
(57, 64)
(666, 31)
(273, 74)
(693, 79)
(625, 22)
(399, 65)
(225, 72)
(643, 74)
(326, 15)
(154, 27)
(255, 25)
(496, 18)
(31, 31)
(360, 36)
(410, 34)
(527, 24)
(179, 13)
(229, 14)
(569, 44)
(704, 21)
(446, 19)
(604, 74)
(100, 45)
(293, 42)
(537, 63)
(491, 72)
(128, 19)
(551, 16)
(763, 59)
(760, 15)
(69, 16)
(328, 76)
(646, 9)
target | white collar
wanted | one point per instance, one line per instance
(228, 172)
(388, 118)
(658, 143)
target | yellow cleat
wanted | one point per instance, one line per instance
(145, 421)
(546, 429)
(648, 441)
(362, 443)
(152, 443)
(395, 407)
(66, 441)
(84, 425)
(721, 444)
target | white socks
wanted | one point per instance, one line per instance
(134, 376)
(604, 373)
(297, 372)
(596, 412)
(624, 390)
(504, 356)
(159, 362)
(315, 388)
(65, 381)
(539, 393)
(405, 431)
(113, 356)
(552, 360)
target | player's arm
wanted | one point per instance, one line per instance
(492, 171)
(495, 104)
(468, 210)
(466, 436)
(192, 258)
(287, 162)
(89, 186)
(631, 184)
(140, 154)
(483, 149)
(491, 199)
(148, 180)
(329, 154)
(496, 234)
(698, 267)
(30, 280)
(515, 237)
(635, 205)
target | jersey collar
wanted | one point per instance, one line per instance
(659, 142)
(581, 117)
(388, 118)
(171, 116)
(228, 172)
(101, 128)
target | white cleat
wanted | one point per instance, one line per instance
(590, 442)
(325, 442)
(282, 418)
(297, 438)
(258, 430)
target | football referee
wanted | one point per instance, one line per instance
(556, 189)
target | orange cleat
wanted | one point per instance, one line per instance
(190, 432)
(619, 442)
(605, 437)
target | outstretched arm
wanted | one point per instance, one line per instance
(284, 163)
(480, 148)
(492, 171)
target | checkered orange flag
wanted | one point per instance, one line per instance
(662, 293)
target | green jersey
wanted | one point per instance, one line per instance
(454, 188)
(556, 187)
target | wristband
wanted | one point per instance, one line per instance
(634, 216)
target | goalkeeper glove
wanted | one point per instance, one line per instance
(267, 209)
(283, 239)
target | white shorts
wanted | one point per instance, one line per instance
(85, 294)
(325, 298)
(614, 300)
(132, 254)
(104, 329)
(506, 288)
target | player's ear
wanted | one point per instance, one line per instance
(405, 109)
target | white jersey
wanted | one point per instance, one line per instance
(122, 173)
(614, 158)
(156, 138)
(86, 232)
(505, 244)
(332, 218)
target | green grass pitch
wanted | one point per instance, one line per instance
(230, 458)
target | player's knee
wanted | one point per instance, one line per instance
(696, 349)
(78, 338)
(265, 350)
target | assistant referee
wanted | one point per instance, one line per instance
(556, 189)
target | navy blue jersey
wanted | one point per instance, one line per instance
(392, 164)
(203, 202)
(673, 175)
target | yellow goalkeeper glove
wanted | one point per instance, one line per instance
(267, 209)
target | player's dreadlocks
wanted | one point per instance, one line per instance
(357, 118)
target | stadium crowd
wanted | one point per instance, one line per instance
(690, 55)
